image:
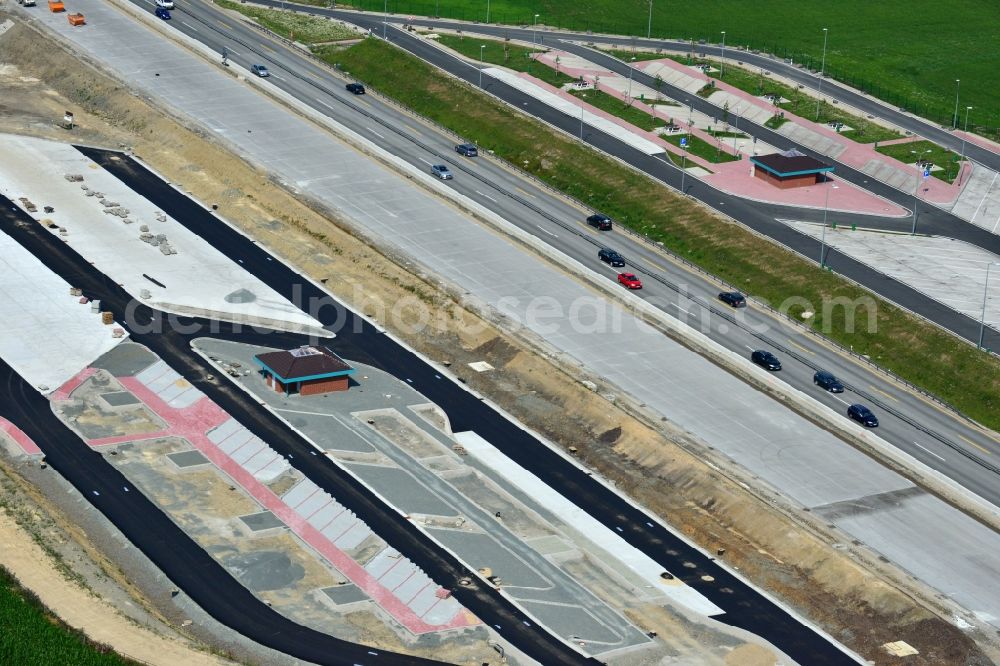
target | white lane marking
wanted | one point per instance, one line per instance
(374, 132)
(930, 452)
(486, 195)
(425, 161)
(319, 101)
(280, 78)
(749, 347)
(546, 231)
(189, 26)
(679, 308)
(841, 400)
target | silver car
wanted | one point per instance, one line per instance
(441, 171)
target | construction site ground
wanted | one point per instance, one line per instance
(846, 591)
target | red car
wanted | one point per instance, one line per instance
(629, 280)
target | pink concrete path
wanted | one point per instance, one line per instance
(193, 423)
(22, 440)
(734, 177)
(980, 141)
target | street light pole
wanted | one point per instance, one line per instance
(954, 120)
(629, 93)
(916, 191)
(385, 19)
(684, 168)
(649, 25)
(967, 109)
(982, 317)
(481, 47)
(487, 12)
(822, 70)
(534, 29)
(826, 210)
(722, 65)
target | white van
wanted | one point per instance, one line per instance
(165, 4)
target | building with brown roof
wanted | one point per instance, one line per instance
(790, 169)
(306, 371)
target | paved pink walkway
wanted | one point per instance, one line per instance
(730, 177)
(980, 141)
(26, 443)
(193, 423)
(855, 154)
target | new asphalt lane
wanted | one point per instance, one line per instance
(936, 436)
(745, 607)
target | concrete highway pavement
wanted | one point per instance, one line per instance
(358, 340)
(936, 436)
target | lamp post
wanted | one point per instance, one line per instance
(629, 93)
(649, 25)
(481, 47)
(684, 166)
(487, 12)
(534, 29)
(385, 19)
(967, 109)
(954, 119)
(826, 210)
(722, 65)
(822, 70)
(916, 191)
(982, 317)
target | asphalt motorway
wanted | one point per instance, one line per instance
(931, 433)
(356, 339)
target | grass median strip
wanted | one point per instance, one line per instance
(296, 27)
(946, 163)
(505, 54)
(919, 352)
(713, 152)
(32, 635)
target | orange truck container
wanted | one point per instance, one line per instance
(56, 6)
(75, 19)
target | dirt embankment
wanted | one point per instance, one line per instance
(860, 601)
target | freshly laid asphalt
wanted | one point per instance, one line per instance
(745, 607)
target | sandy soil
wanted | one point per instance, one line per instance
(862, 602)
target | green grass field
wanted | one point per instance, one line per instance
(31, 635)
(802, 105)
(925, 150)
(508, 55)
(713, 152)
(908, 54)
(617, 107)
(920, 352)
(304, 29)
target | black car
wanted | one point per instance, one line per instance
(828, 382)
(733, 299)
(467, 149)
(602, 222)
(766, 359)
(356, 88)
(611, 257)
(862, 415)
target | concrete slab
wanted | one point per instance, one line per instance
(36, 304)
(125, 360)
(258, 522)
(119, 399)
(949, 271)
(566, 106)
(198, 278)
(979, 201)
(402, 490)
(188, 458)
(812, 139)
(345, 594)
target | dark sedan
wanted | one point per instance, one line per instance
(862, 415)
(733, 299)
(766, 359)
(828, 382)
